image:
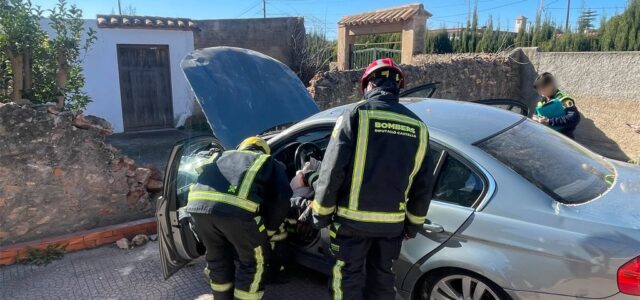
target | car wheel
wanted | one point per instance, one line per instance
(460, 285)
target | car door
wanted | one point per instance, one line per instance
(507, 104)
(176, 236)
(458, 189)
(421, 91)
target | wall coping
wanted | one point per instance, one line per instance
(82, 240)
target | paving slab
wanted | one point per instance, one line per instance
(112, 273)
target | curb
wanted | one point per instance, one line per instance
(80, 240)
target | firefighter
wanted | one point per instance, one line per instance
(374, 186)
(556, 109)
(238, 202)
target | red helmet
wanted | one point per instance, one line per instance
(376, 67)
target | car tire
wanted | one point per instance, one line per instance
(460, 284)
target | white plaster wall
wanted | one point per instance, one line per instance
(102, 77)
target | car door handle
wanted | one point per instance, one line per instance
(432, 227)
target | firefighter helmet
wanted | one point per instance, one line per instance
(255, 143)
(384, 67)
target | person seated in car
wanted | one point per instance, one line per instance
(298, 220)
(303, 191)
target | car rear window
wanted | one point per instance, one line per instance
(566, 171)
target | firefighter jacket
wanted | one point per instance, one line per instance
(244, 184)
(374, 176)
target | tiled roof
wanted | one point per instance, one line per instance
(144, 22)
(389, 15)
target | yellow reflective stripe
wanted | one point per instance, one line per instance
(415, 219)
(221, 287)
(313, 177)
(371, 216)
(391, 116)
(271, 232)
(240, 294)
(332, 233)
(420, 153)
(257, 277)
(322, 210)
(245, 204)
(360, 158)
(337, 280)
(279, 237)
(261, 228)
(250, 175)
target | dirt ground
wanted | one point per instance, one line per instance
(604, 128)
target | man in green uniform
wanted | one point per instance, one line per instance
(556, 109)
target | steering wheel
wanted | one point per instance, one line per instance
(305, 152)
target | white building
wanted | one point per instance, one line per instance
(133, 73)
(521, 23)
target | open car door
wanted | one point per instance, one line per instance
(177, 239)
(421, 91)
(507, 104)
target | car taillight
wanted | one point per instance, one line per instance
(629, 277)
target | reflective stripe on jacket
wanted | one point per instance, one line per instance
(243, 184)
(373, 177)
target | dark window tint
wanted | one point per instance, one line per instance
(457, 184)
(560, 167)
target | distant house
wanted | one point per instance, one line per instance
(133, 72)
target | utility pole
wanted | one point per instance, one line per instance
(568, 9)
(264, 9)
(119, 8)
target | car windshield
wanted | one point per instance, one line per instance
(560, 167)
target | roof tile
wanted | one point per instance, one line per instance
(389, 15)
(145, 22)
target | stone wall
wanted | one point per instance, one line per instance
(276, 37)
(58, 176)
(464, 77)
(606, 86)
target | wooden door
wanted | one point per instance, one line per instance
(145, 87)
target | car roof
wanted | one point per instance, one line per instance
(466, 121)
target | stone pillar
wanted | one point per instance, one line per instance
(345, 40)
(413, 35)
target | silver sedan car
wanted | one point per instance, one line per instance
(518, 211)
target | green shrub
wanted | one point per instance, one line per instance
(44, 256)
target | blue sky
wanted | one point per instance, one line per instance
(323, 15)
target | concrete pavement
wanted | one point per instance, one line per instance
(111, 273)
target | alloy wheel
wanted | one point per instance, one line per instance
(462, 287)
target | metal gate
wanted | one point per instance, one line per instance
(363, 54)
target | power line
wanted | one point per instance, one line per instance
(579, 8)
(487, 9)
(254, 5)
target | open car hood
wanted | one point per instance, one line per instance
(244, 93)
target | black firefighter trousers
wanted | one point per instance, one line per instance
(363, 265)
(229, 240)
